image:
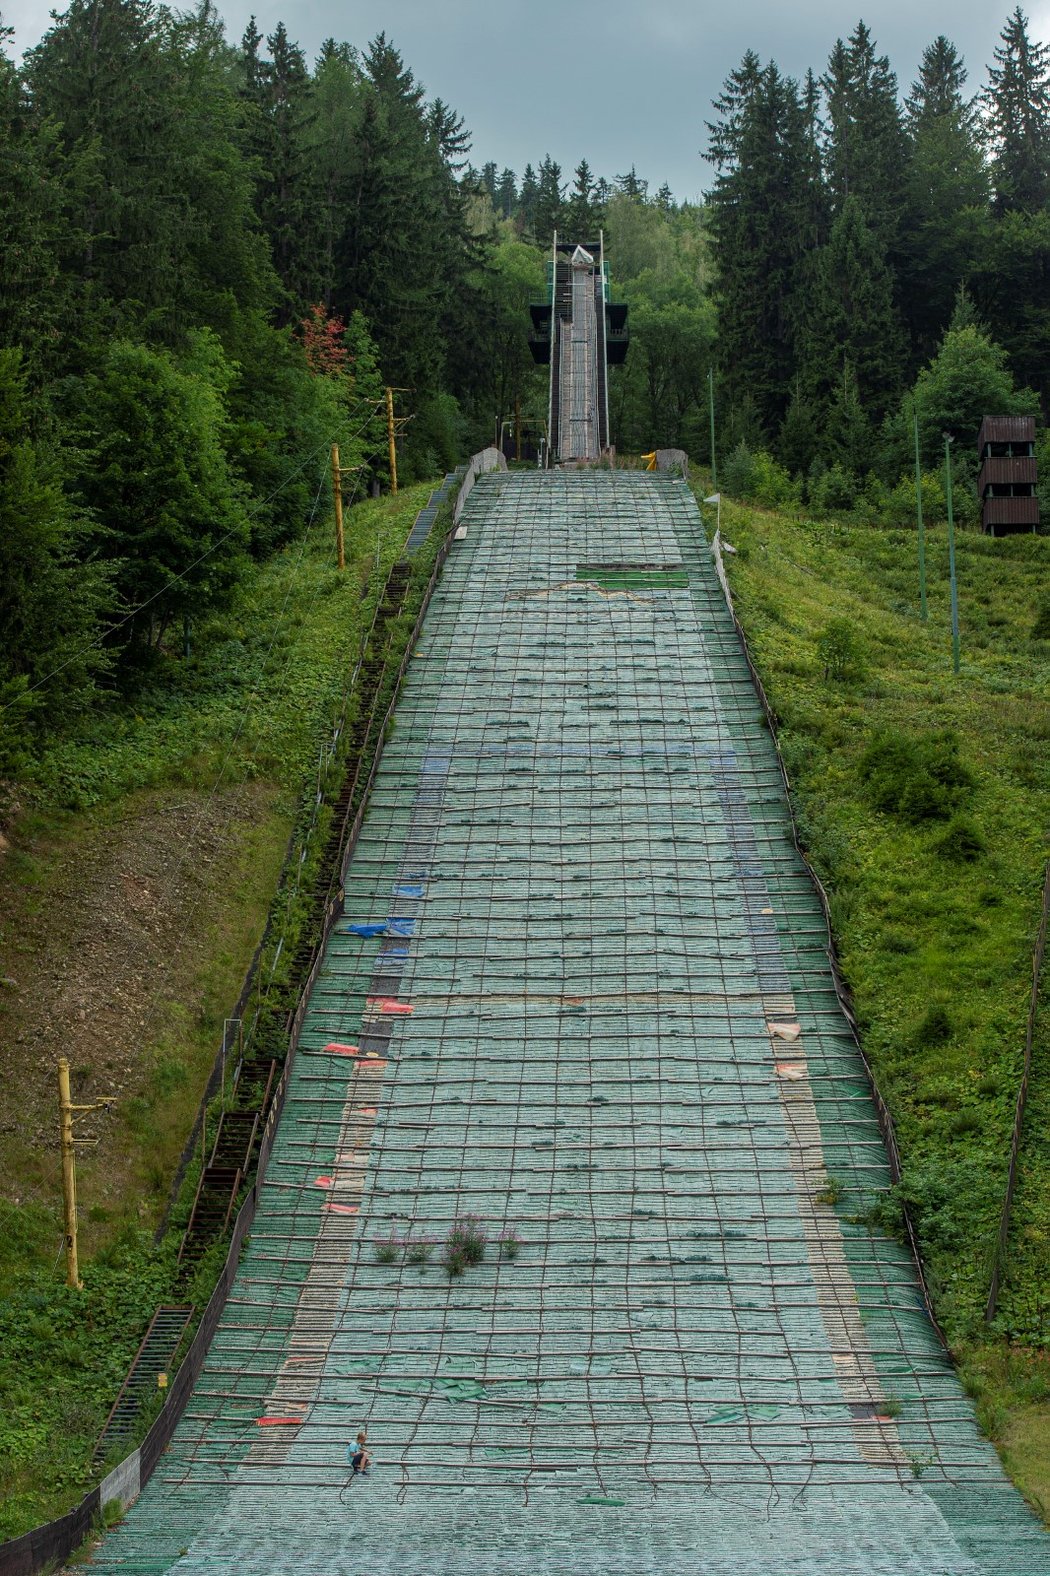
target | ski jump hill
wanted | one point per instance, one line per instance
(580, 990)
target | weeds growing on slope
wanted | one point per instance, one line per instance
(922, 798)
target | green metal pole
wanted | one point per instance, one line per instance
(922, 528)
(711, 402)
(951, 557)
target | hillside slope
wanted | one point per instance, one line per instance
(923, 800)
(140, 868)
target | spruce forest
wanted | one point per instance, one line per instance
(215, 256)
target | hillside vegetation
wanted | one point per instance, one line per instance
(923, 799)
(143, 863)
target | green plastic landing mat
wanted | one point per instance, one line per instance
(586, 978)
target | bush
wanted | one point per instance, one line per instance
(509, 1243)
(841, 650)
(388, 1249)
(1041, 627)
(760, 479)
(935, 1028)
(962, 840)
(900, 504)
(453, 1261)
(418, 1250)
(944, 1196)
(919, 779)
(771, 485)
(834, 488)
(738, 472)
(467, 1238)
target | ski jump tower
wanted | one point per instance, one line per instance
(579, 333)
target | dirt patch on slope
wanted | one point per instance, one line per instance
(122, 935)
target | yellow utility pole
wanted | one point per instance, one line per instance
(69, 1176)
(66, 1109)
(337, 494)
(390, 439)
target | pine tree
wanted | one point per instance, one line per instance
(581, 220)
(278, 94)
(403, 250)
(154, 473)
(337, 104)
(253, 70)
(947, 195)
(800, 433)
(1017, 106)
(866, 145)
(632, 186)
(846, 436)
(1011, 285)
(527, 200)
(550, 197)
(762, 212)
(849, 318)
(506, 194)
(50, 605)
(144, 98)
(37, 190)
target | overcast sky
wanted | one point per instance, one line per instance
(610, 81)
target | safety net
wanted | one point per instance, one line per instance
(580, 991)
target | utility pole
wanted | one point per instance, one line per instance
(951, 553)
(66, 1109)
(922, 528)
(517, 429)
(390, 439)
(337, 495)
(711, 402)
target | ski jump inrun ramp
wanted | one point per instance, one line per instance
(592, 973)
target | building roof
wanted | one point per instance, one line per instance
(1006, 429)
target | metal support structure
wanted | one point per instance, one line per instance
(711, 403)
(601, 309)
(922, 529)
(951, 554)
(554, 339)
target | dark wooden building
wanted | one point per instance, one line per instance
(1006, 484)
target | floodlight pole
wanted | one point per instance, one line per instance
(951, 553)
(922, 528)
(711, 404)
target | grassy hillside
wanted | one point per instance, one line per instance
(143, 859)
(923, 799)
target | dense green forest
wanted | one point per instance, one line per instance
(879, 261)
(214, 256)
